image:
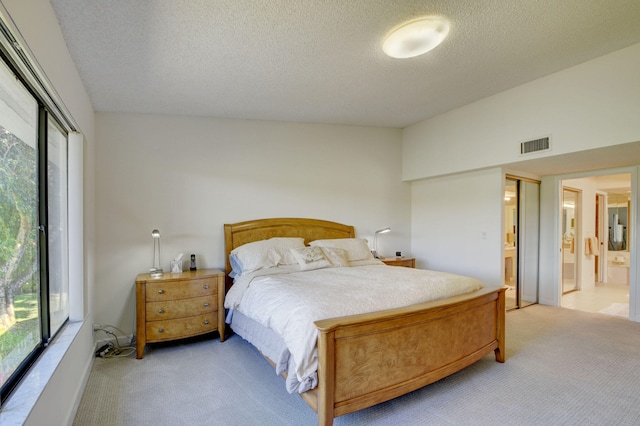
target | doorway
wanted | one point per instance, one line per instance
(603, 218)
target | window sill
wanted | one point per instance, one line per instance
(19, 405)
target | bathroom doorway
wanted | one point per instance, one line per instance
(603, 220)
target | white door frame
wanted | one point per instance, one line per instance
(603, 232)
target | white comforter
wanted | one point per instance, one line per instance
(288, 300)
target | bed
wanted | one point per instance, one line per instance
(367, 358)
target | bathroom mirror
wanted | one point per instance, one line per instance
(569, 226)
(618, 211)
(569, 199)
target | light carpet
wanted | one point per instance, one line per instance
(564, 367)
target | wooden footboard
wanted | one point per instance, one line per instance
(370, 358)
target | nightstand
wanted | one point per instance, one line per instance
(408, 262)
(176, 306)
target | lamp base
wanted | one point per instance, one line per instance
(155, 272)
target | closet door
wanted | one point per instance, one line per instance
(528, 242)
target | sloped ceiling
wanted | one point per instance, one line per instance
(320, 61)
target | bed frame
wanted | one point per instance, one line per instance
(370, 358)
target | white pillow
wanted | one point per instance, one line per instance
(263, 254)
(310, 258)
(336, 256)
(286, 257)
(356, 248)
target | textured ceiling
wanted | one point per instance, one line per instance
(320, 60)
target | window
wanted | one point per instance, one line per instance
(58, 235)
(34, 295)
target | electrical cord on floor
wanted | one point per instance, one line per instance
(111, 350)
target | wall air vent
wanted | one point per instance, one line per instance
(535, 145)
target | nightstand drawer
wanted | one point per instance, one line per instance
(181, 308)
(171, 290)
(158, 331)
(407, 262)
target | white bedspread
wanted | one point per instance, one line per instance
(288, 300)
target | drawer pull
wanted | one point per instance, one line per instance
(206, 287)
(161, 311)
(206, 322)
(160, 291)
(206, 305)
(161, 330)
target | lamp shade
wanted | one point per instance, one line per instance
(375, 240)
(156, 270)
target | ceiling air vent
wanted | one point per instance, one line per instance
(535, 145)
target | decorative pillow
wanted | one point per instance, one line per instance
(356, 248)
(336, 256)
(286, 257)
(263, 254)
(310, 258)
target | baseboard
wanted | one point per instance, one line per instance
(80, 390)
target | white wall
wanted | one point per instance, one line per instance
(456, 224)
(188, 176)
(591, 105)
(37, 24)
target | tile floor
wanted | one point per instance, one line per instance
(609, 297)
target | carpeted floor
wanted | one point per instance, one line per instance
(563, 367)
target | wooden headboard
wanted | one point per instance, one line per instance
(237, 234)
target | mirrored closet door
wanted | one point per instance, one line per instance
(521, 228)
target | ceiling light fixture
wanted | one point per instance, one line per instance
(416, 37)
